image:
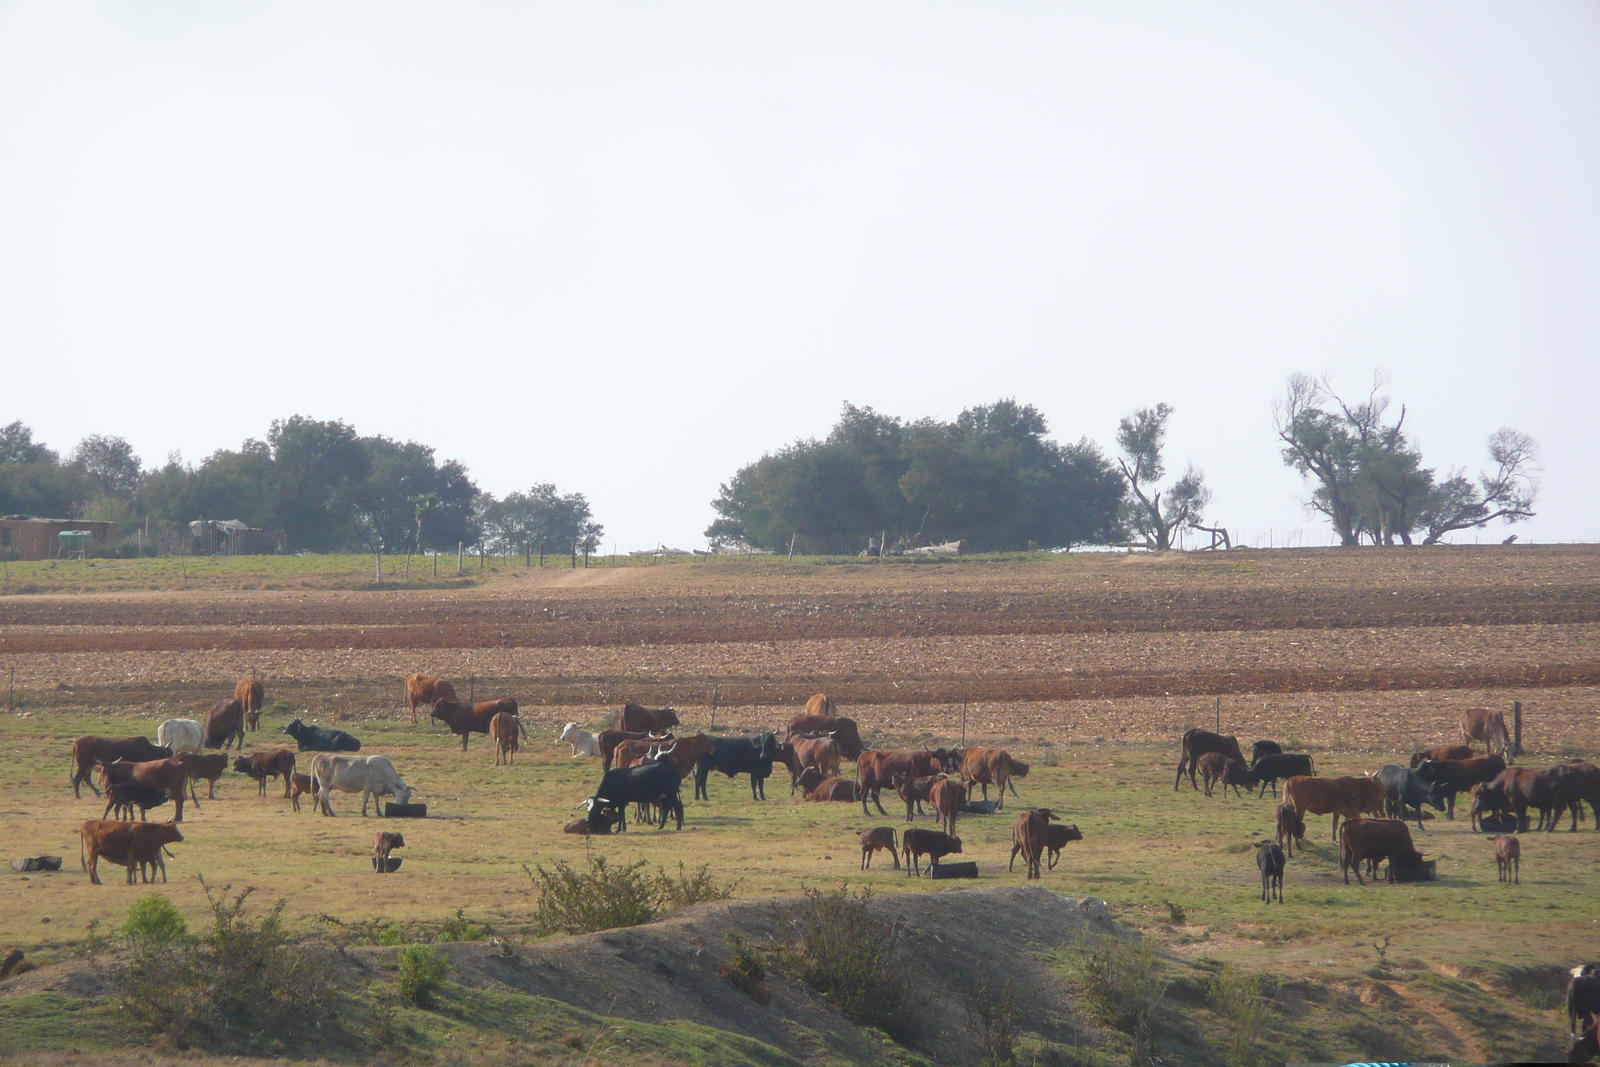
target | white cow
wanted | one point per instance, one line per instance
(371, 776)
(583, 742)
(181, 735)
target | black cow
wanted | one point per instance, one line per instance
(1269, 859)
(1264, 748)
(643, 783)
(738, 755)
(1404, 791)
(320, 738)
(1583, 999)
(1271, 766)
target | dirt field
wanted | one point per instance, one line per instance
(1089, 667)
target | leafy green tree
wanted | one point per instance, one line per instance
(33, 481)
(541, 516)
(110, 463)
(406, 494)
(1142, 437)
(318, 468)
(18, 446)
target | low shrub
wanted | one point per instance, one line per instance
(605, 897)
(422, 973)
(153, 922)
(1235, 995)
(744, 972)
(849, 957)
(1122, 982)
(995, 1016)
(459, 928)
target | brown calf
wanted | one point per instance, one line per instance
(384, 843)
(209, 767)
(947, 797)
(935, 844)
(1291, 829)
(427, 689)
(833, 789)
(1031, 836)
(1508, 858)
(1198, 742)
(303, 786)
(168, 775)
(250, 695)
(874, 839)
(278, 763)
(503, 730)
(1056, 838)
(1215, 767)
(914, 791)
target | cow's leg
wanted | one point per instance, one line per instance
(878, 800)
(1179, 777)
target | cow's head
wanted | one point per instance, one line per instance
(767, 747)
(168, 832)
(955, 844)
(666, 718)
(241, 765)
(403, 793)
(294, 727)
(1072, 833)
(567, 730)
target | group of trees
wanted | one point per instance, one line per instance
(317, 486)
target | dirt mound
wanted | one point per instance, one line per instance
(951, 940)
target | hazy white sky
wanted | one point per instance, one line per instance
(629, 247)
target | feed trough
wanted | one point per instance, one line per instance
(1416, 872)
(394, 864)
(968, 869)
(1505, 825)
(405, 811)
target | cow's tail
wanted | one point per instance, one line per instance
(83, 860)
(1311, 763)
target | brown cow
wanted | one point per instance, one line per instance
(1215, 767)
(876, 771)
(1488, 726)
(129, 844)
(224, 724)
(809, 779)
(427, 689)
(263, 765)
(503, 731)
(1198, 742)
(874, 839)
(466, 719)
(833, 789)
(1030, 835)
(608, 740)
(841, 729)
(935, 844)
(384, 843)
(123, 797)
(209, 767)
(1508, 858)
(169, 775)
(1585, 785)
(1056, 838)
(821, 704)
(1442, 752)
(250, 694)
(1291, 829)
(947, 796)
(802, 752)
(1447, 777)
(88, 751)
(639, 719)
(684, 751)
(914, 791)
(1345, 797)
(985, 767)
(303, 786)
(632, 753)
(1371, 840)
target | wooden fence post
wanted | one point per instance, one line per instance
(1516, 721)
(461, 555)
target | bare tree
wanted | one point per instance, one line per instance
(1507, 493)
(1142, 436)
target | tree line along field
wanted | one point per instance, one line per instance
(1086, 667)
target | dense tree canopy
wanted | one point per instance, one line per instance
(991, 478)
(541, 516)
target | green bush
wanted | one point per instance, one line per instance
(422, 973)
(393, 934)
(696, 888)
(744, 972)
(459, 928)
(606, 897)
(1123, 983)
(849, 957)
(996, 1016)
(153, 922)
(1235, 995)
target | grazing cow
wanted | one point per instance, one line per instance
(1584, 1047)
(1371, 840)
(504, 730)
(371, 776)
(263, 765)
(608, 740)
(1056, 838)
(1583, 999)
(1018, 770)
(1031, 836)
(821, 704)
(427, 689)
(168, 775)
(1457, 752)
(1263, 748)
(1269, 861)
(180, 735)
(1344, 797)
(802, 752)
(947, 796)
(1291, 828)
(224, 724)
(1508, 858)
(1267, 769)
(914, 791)
(130, 844)
(1488, 726)
(1404, 792)
(833, 789)
(738, 755)
(383, 844)
(874, 839)
(123, 797)
(876, 771)
(1198, 742)
(987, 766)
(466, 719)
(1585, 785)
(208, 767)
(302, 786)
(841, 729)
(321, 738)
(583, 742)
(88, 751)
(1553, 790)
(639, 719)
(648, 783)
(1491, 799)
(250, 695)
(1449, 777)
(1215, 767)
(935, 844)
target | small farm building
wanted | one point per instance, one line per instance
(26, 537)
